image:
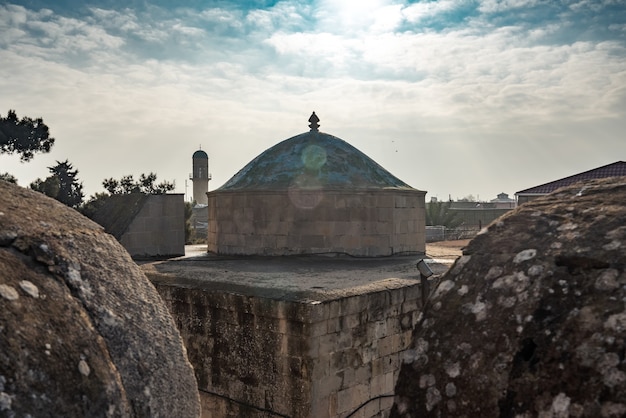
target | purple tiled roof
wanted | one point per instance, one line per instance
(611, 170)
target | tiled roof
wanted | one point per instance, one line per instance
(611, 170)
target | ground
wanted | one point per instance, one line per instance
(446, 249)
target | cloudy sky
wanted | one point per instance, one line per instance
(455, 97)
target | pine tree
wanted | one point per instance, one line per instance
(62, 185)
(25, 137)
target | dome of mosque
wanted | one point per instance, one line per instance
(313, 160)
(315, 194)
(200, 154)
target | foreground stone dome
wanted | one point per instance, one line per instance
(531, 320)
(315, 194)
(83, 333)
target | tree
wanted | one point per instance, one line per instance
(62, 185)
(50, 186)
(125, 185)
(439, 213)
(10, 178)
(145, 185)
(24, 137)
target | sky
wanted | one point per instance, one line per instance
(455, 97)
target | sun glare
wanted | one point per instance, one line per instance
(355, 12)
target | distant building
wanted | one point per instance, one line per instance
(615, 169)
(146, 225)
(503, 201)
(200, 176)
(476, 215)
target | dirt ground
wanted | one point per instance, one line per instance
(446, 249)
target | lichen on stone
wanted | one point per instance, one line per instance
(458, 265)
(5, 401)
(525, 255)
(494, 272)
(452, 369)
(433, 397)
(83, 368)
(537, 323)
(29, 288)
(444, 287)
(613, 245)
(8, 292)
(607, 280)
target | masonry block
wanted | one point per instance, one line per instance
(304, 359)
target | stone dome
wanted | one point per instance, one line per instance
(315, 194)
(200, 154)
(313, 160)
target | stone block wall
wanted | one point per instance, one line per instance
(158, 229)
(367, 223)
(298, 358)
(355, 350)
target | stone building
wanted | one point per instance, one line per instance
(615, 169)
(315, 193)
(146, 225)
(301, 336)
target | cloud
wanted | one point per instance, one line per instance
(421, 10)
(283, 16)
(53, 37)
(496, 6)
(127, 91)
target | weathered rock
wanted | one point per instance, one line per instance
(82, 330)
(531, 321)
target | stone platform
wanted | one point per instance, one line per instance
(305, 336)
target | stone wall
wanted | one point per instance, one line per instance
(296, 358)
(158, 229)
(355, 351)
(360, 223)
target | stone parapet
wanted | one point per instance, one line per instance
(296, 357)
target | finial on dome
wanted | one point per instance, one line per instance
(314, 125)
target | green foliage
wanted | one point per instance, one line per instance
(50, 186)
(439, 213)
(25, 137)
(95, 202)
(9, 178)
(145, 184)
(62, 185)
(126, 185)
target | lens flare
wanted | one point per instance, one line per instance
(313, 157)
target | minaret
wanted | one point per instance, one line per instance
(200, 176)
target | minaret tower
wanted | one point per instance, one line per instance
(200, 176)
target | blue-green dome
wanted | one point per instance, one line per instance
(313, 160)
(200, 154)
